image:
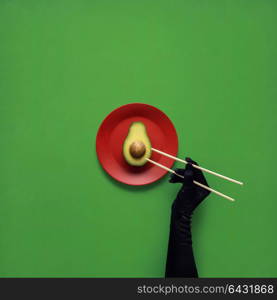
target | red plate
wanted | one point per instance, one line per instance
(114, 130)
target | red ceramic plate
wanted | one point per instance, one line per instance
(113, 131)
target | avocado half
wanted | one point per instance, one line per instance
(137, 145)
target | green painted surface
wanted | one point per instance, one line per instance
(64, 65)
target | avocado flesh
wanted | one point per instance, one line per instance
(137, 133)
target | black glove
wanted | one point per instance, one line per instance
(190, 195)
(180, 259)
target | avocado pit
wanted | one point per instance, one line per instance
(137, 149)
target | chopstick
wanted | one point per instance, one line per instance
(198, 167)
(195, 182)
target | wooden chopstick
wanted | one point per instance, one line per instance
(198, 167)
(195, 182)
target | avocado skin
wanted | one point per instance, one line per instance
(137, 132)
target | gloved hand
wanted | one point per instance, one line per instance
(180, 259)
(190, 194)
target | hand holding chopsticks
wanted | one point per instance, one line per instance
(197, 167)
(195, 182)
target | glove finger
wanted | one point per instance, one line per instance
(189, 160)
(198, 174)
(188, 176)
(174, 178)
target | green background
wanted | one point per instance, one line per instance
(64, 65)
